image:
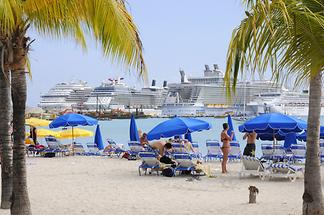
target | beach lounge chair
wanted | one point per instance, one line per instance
(135, 147)
(213, 150)
(279, 153)
(178, 148)
(79, 149)
(322, 150)
(299, 152)
(235, 152)
(149, 162)
(92, 149)
(253, 167)
(267, 151)
(285, 170)
(53, 145)
(196, 154)
(184, 163)
(113, 149)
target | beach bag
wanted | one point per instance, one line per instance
(168, 172)
(49, 155)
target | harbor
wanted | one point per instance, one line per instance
(203, 96)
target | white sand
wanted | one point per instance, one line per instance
(101, 185)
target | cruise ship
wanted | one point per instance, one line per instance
(206, 95)
(111, 94)
(286, 102)
(114, 93)
(64, 96)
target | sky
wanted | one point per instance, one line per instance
(176, 34)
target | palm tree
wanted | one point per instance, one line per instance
(288, 37)
(106, 20)
(5, 137)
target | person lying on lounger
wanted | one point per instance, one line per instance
(160, 145)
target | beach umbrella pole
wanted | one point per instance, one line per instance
(72, 140)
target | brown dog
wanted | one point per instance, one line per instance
(253, 192)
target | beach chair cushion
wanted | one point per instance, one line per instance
(184, 162)
(135, 147)
(251, 163)
(213, 149)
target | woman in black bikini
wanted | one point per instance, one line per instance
(226, 139)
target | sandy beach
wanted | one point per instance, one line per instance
(101, 185)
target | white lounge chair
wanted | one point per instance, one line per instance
(213, 150)
(285, 170)
(79, 149)
(299, 152)
(185, 163)
(196, 154)
(92, 149)
(149, 162)
(135, 147)
(235, 152)
(178, 148)
(252, 166)
(267, 151)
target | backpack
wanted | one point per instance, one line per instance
(168, 172)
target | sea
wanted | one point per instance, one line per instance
(118, 130)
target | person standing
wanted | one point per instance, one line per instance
(249, 149)
(226, 139)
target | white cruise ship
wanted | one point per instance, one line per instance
(111, 94)
(286, 102)
(66, 95)
(188, 97)
(115, 93)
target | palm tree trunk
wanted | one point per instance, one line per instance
(312, 197)
(20, 200)
(5, 137)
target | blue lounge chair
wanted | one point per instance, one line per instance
(267, 151)
(92, 149)
(299, 152)
(235, 152)
(196, 154)
(322, 150)
(149, 162)
(135, 147)
(213, 150)
(113, 148)
(184, 163)
(54, 146)
(79, 149)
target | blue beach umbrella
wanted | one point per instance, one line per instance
(303, 136)
(177, 126)
(133, 133)
(231, 127)
(72, 120)
(98, 139)
(273, 123)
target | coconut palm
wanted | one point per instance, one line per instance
(106, 20)
(5, 140)
(288, 37)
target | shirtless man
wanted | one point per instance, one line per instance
(249, 149)
(226, 139)
(158, 145)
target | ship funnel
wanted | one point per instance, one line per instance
(153, 83)
(183, 76)
(216, 67)
(165, 84)
(207, 68)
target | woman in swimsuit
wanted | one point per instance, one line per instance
(226, 139)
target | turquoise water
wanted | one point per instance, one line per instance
(118, 130)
